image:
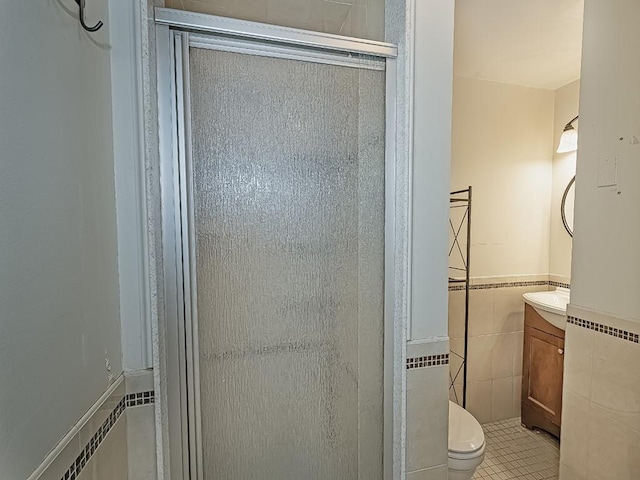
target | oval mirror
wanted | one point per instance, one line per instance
(566, 208)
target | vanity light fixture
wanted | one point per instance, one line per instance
(569, 138)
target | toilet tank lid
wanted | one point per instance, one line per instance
(465, 433)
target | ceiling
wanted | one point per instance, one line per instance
(535, 43)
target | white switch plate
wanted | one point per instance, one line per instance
(608, 171)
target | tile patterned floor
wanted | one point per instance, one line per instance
(514, 452)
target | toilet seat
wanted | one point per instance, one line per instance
(466, 438)
(466, 456)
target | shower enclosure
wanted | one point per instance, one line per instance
(278, 199)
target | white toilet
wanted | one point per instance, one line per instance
(466, 443)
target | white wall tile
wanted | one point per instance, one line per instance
(517, 395)
(502, 399)
(109, 462)
(141, 445)
(66, 456)
(98, 418)
(427, 417)
(456, 313)
(613, 451)
(615, 381)
(293, 10)
(479, 400)
(375, 20)
(495, 342)
(574, 433)
(423, 348)
(502, 355)
(601, 403)
(456, 346)
(455, 394)
(568, 473)
(518, 355)
(139, 381)
(509, 310)
(480, 357)
(481, 312)
(456, 371)
(578, 355)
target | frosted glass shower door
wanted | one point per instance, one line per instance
(286, 179)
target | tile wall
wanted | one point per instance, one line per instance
(99, 448)
(110, 459)
(141, 426)
(117, 441)
(601, 398)
(496, 332)
(427, 410)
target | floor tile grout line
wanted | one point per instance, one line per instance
(516, 453)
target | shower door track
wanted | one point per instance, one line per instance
(176, 31)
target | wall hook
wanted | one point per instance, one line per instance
(96, 27)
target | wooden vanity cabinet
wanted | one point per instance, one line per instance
(542, 370)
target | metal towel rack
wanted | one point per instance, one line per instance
(460, 199)
(96, 27)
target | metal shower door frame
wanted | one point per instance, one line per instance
(176, 32)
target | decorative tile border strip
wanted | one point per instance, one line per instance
(607, 330)
(532, 283)
(129, 400)
(142, 398)
(485, 286)
(428, 361)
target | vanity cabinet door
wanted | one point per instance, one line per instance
(542, 379)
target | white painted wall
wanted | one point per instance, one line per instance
(606, 253)
(566, 100)
(433, 83)
(59, 282)
(502, 144)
